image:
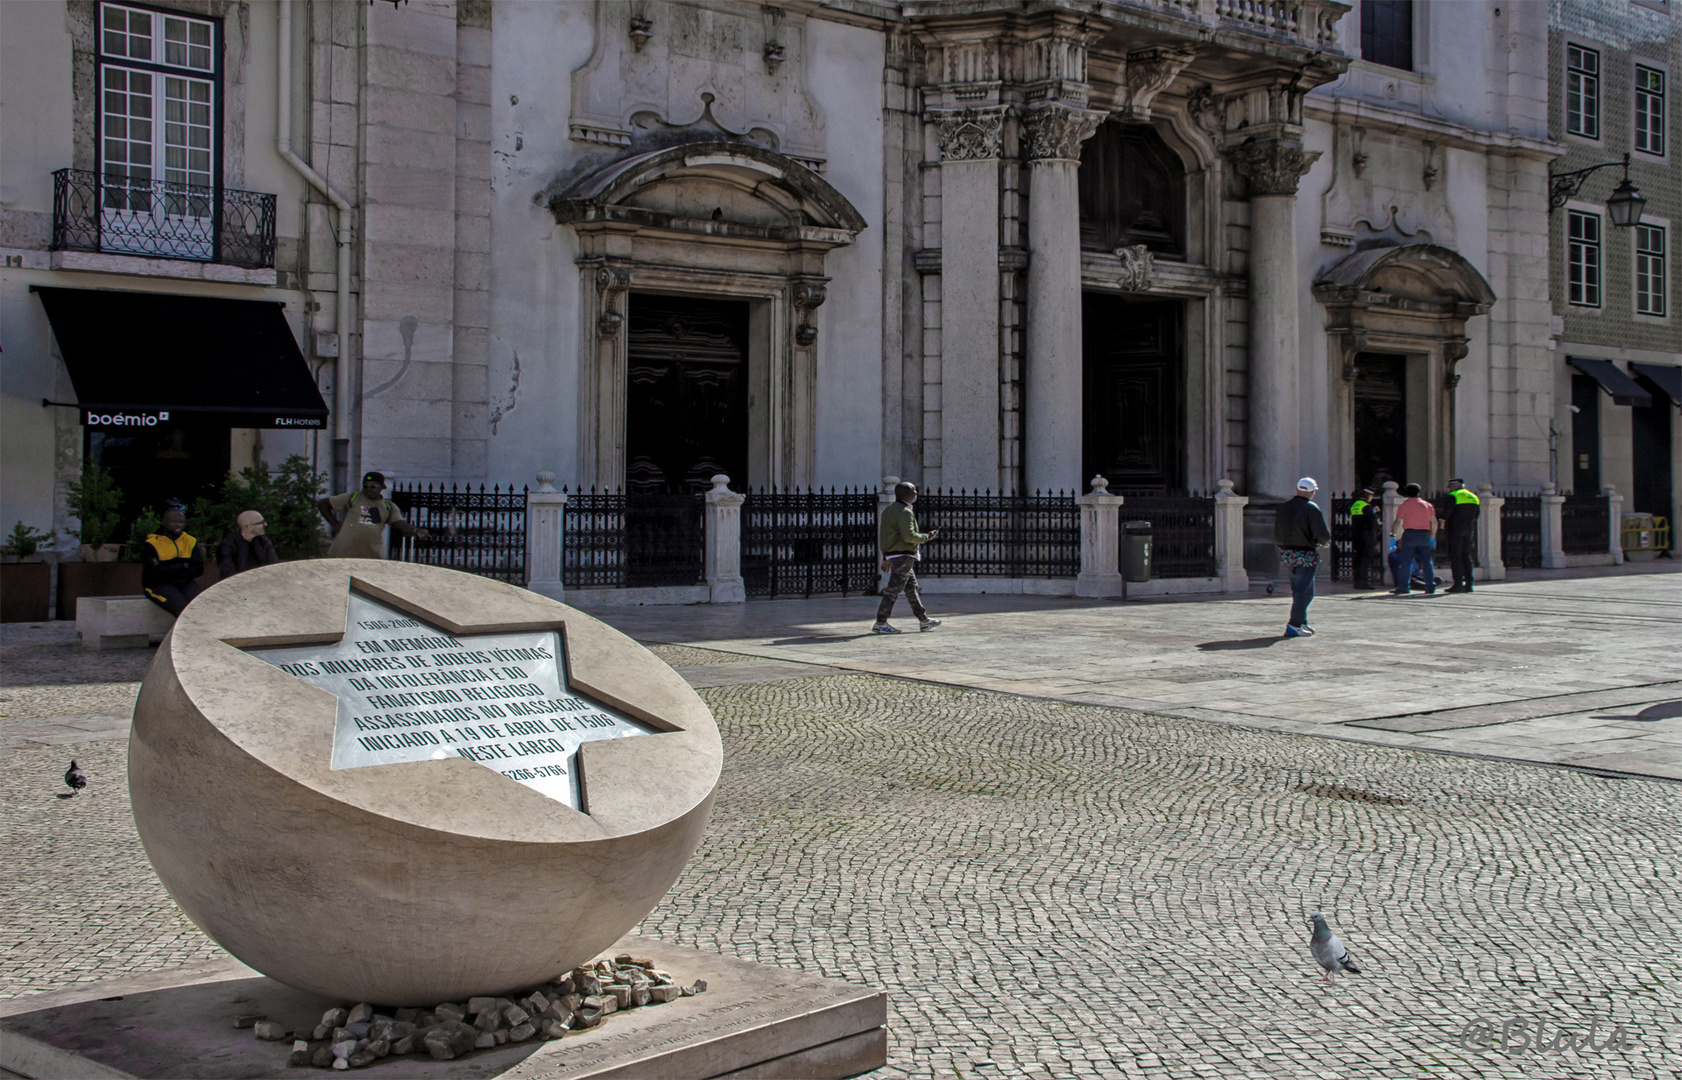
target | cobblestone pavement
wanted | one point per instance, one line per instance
(1580, 671)
(1048, 889)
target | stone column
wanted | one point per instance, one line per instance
(1553, 528)
(1491, 566)
(970, 146)
(884, 499)
(724, 543)
(1052, 379)
(545, 537)
(1100, 542)
(1271, 169)
(1229, 539)
(1615, 524)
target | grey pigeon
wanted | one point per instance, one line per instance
(1328, 950)
(75, 778)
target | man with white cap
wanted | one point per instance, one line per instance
(1299, 528)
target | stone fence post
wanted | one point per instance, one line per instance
(1100, 542)
(1615, 523)
(1229, 539)
(545, 537)
(1553, 528)
(1392, 502)
(1491, 567)
(884, 499)
(724, 543)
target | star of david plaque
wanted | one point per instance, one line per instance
(409, 691)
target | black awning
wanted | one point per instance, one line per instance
(138, 359)
(1664, 376)
(1624, 390)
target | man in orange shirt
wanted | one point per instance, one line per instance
(1415, 531)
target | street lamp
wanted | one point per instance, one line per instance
(1623, 205)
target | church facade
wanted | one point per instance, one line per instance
(978, 244)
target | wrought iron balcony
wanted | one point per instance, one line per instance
(157, 219)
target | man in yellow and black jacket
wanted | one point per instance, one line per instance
(170, 563)
(1462, 534)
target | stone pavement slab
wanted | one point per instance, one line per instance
(1445, 672)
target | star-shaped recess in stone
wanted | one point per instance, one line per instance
(409, 691)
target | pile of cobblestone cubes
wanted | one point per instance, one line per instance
(355, 1036)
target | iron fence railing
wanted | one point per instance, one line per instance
(618, 539)
(476, 531)
(987, 535)
(1182, 531)
(803, 543)
(1521, 531)
(1342, 524)
(159, 219)
(1585, 525)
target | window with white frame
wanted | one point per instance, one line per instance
(1649, 110)
(157, 117)
(1582, 91)
(1582, 259)
(1650, 273)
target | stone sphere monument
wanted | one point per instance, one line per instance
(385, 782)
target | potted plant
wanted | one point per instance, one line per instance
(94, 499)
(25, 578)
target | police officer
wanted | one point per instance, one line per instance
(1462, 534)
(1363, 519)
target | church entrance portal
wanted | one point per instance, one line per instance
(1134, 393)
(1381, 433)
(687, 405)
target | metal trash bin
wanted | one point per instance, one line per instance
(1136, 550)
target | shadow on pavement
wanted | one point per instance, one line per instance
(1239, 643)
(1664, 710)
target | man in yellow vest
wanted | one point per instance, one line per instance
(169, 564)
(1365, 525)
(1462, 534)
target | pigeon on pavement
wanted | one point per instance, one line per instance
(76, 778)
(1328, 950)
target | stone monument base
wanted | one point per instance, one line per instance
(753, 1021)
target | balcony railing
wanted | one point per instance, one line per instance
(157, 219)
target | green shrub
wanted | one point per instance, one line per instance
(94, 500)
(286, 499)
(24, 541)
(145, 525)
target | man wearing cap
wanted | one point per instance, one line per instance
(247, 548)
(366, 515)
(1462, 528)
(1299, 529)
(901, 542)
(1364, 522)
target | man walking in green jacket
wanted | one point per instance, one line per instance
(900, 544)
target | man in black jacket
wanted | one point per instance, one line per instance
(1365, 525)
(245, 548)
(1299, 529)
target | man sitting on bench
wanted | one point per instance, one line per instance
(169, 563)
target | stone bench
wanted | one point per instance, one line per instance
(120, 622)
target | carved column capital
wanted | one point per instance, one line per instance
(1148, 73)
(1272, 166)
(970, 134)
(1055, 132)
(611, 283)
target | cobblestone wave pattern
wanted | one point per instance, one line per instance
(1056, 890)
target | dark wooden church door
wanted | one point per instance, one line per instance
(1134, 393)
(1381, 432)
(687, 407)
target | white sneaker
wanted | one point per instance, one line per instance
(928, 624)
(883, 628)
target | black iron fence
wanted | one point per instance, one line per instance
(476, 531)
(618, 539)
(1585, 525)
(1521, 532)
(803, 543)
(1342, 525)
(987, 535)
(1182, 531)
(158, 219)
